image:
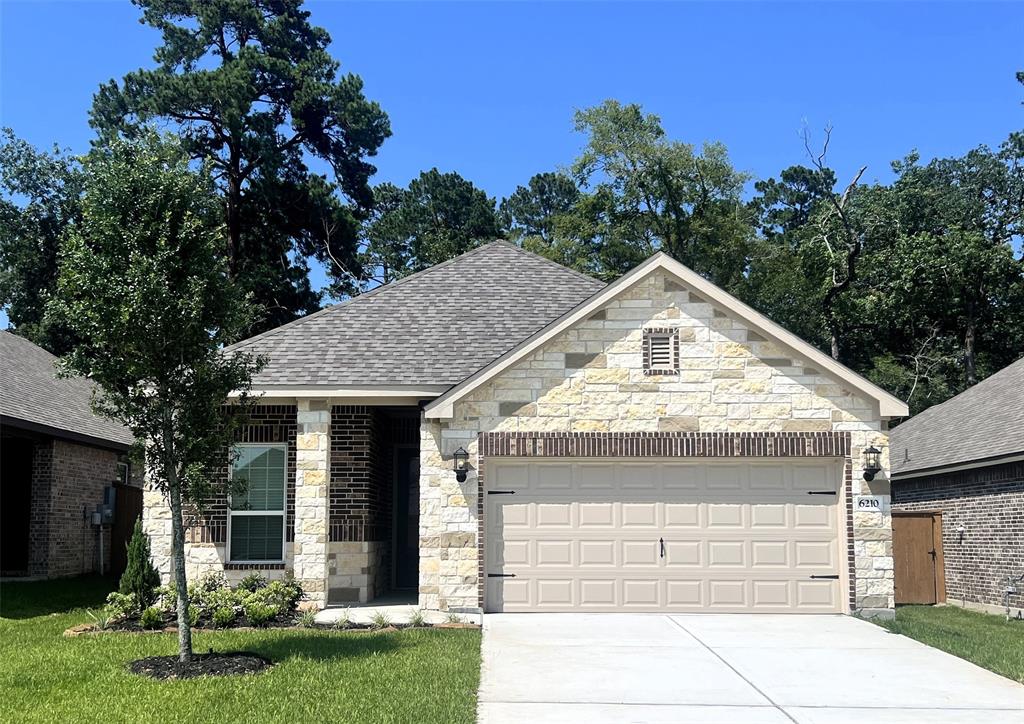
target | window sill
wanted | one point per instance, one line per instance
(245, 566)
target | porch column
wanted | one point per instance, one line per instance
(312, 463)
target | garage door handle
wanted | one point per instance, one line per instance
(821, 492)
(834, 577)
(661, 543)
(501, 575)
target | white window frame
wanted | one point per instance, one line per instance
(284, 509)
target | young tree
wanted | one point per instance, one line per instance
(41, 198)
(145, 288)
(140, 578)
(249, 86)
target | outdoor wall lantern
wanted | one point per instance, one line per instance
(460, 464)
(872, 463)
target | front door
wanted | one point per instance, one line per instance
(407, 518)
(917, 557)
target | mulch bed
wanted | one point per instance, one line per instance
(211, 664)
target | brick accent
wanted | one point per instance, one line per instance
(673, 334)
(67, 481)
(642, 444)
(989, 503)
(267, 423)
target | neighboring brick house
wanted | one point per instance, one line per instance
(500, 432)
(58, 458)
(964, 460)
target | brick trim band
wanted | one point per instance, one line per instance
(665, 444)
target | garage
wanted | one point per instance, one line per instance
(727, 535)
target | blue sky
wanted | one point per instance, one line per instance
(489, 89)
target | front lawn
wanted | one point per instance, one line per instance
(981, 638)
(422, 675)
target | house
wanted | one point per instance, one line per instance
(59, 462)
(958, 496)
(499, 432)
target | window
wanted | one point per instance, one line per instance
(256, 517)
(661, 352)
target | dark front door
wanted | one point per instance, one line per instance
(15, 505)
(407, 518)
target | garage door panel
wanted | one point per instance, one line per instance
(656, 535)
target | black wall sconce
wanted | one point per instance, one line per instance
(460, 464)
(872, 463)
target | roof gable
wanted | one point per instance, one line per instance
(432, 328)
(981, 423)
(889, 406)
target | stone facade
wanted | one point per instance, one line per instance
(988, 503)
(591, 379)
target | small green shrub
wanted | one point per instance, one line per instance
(307, 619)
(260, 614)
(453, 618)
(101, 619)
(224, 616)
(417, 618)
(252, 582)
(194, 614)
(140, 578)
(380, 620)
(152, 618)
(122, 605)
(343, 621)
(167, 597)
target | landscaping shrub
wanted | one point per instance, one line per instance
(224, 616)
(193, 615)
(167, 597)
(252, 582)
(260, 614)
(122, 606)
(152, 618)
(307, 619)
(140, 578)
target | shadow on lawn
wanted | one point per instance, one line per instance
(314, 646)
(30, 599)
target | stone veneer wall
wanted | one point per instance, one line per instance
(989, 503)
(68, 479)
(591, 379)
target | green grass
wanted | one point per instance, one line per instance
(984, 639)
(427, 675)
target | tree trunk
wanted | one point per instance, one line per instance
(234, 224)
(180, 580)
(834, 339)
(970, 367)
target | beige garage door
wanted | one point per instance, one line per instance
(654, 535)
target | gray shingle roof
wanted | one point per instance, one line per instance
(30, 391)
(985, 421)
(435, 327)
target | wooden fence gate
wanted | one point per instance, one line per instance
(917, 557)
(127, 509)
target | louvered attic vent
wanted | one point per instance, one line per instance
(661, 352)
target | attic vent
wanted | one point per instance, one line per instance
(661, 352)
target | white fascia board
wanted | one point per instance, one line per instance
(414, 392)
(888, 405)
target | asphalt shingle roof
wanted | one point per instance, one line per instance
(985, 421)
(31, 391)
(436, 327)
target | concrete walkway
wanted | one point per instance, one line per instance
(733, 669)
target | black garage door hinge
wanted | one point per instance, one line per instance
(833, 577)
(501, 575)
(501, 492)
(821, 492)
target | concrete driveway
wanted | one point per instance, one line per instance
(597, 668)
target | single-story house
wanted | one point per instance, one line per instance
(499, 432)
(60, 462)
(958, 494)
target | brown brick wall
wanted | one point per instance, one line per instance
(989, 503)
(267, 423)
(67, 484)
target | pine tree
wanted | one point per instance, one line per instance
(140, 577)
